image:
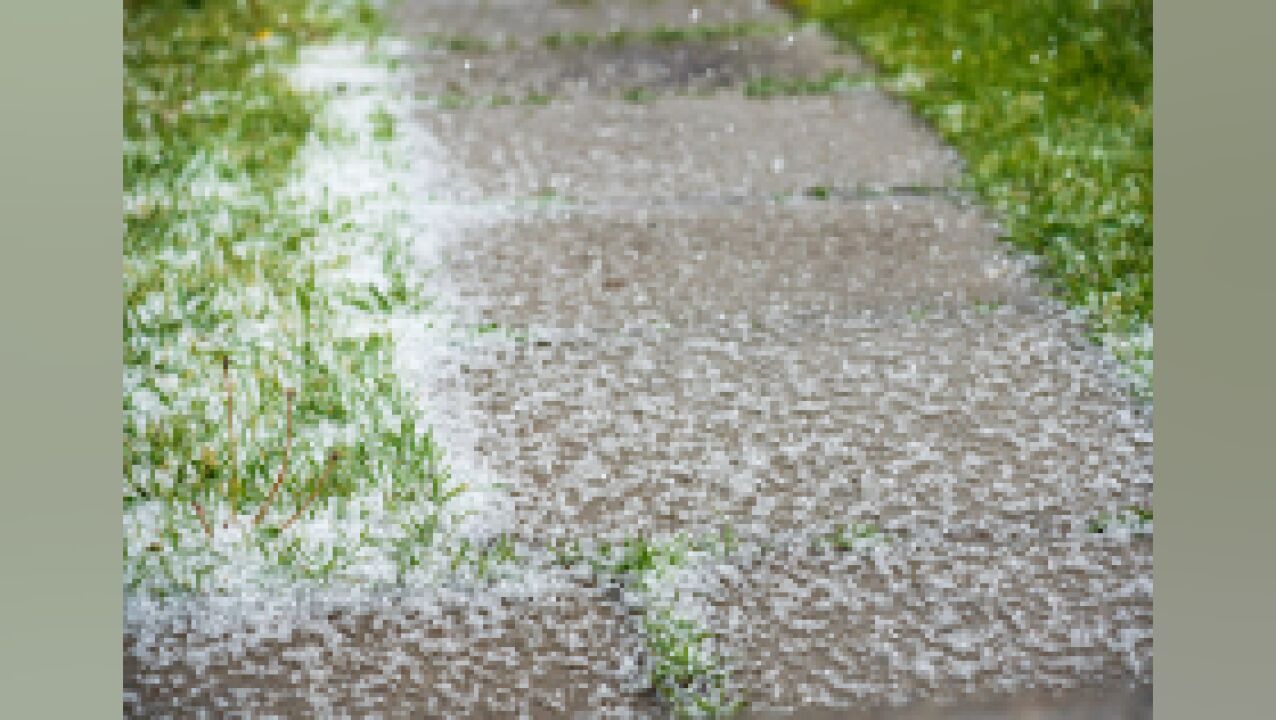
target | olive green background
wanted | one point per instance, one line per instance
(60, 294)
(1215, 556)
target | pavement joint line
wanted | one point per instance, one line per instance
(660, 35)
(761, 89)
(882, 537)
(806, 196)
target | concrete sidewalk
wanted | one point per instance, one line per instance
(773, 314)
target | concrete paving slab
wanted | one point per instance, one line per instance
(1118, 701)
(957, 427)
(559, 650)
(499, 75)
(688, 354)
(780, 369)
(619, 267)
(676, 147)
(529, 20)
(857, 630)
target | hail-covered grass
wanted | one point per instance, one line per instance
(684, 667)
(833, 81)
(852, 537)
(267, 436)
(1050, 103)
(685, 664)
(665, 35)
(1126, 521)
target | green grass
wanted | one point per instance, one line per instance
(684, 668)
(1050, 103)
(458, 43)
(845, 538)
(1131, 518)
(986, 307)
(485, 559)
(222, 264)
(638, 95)
(662, 34)
(685, 671)
(382, 125)
(535, 98)
(833, 81)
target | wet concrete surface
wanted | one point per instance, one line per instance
(823, 627)
(761, 264)
(697, 443)
(675, 147)
(1118, 702)
(560, 649)
(681, 340)
(789, 367)
(612, 68)
(528, 21)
